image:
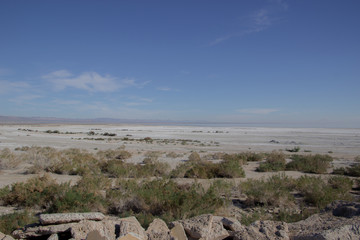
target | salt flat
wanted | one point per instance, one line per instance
(341, 143)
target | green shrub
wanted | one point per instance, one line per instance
(275, 161)
(275, 191)
(353, 170)
(310, 163)
(194, 157)
(164, 199)
(231, 168)
(75, 162)
(13, 221)
(44, 193)
(319, 193)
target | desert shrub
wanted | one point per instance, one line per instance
(275, 161)
(229, 169)
(37, 192)
(153, 155)
(44, 193)
(117, 168)
(164, 199)
(274, 191)
(310, 163)
(253, 157)
(353, 170)
(194, 157)
(294, 149)
(319, 193)
(13, 221)
(119, 154)
(75, 162)
(173, 155)
(206, 170)
(8, 160)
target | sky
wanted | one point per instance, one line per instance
(240, 61)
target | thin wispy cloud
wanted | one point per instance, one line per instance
(261, 111)
(165, 89)
(90, 81)
(8, 87)
(5, 71)
(24, 99)
(256, 21)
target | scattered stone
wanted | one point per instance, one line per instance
(58, 218)
(263, 230)
(106, 229)
(347, 232)
(53, 237)
(42, 230)
(131, 225)
(158, 230)
(178, 232)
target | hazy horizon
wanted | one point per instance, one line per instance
(288, 63)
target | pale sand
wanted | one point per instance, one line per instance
(343, 143)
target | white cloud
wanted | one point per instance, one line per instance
(7, 86)
(165, 89)
(90, 81)
(258, 110)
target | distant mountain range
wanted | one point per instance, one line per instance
(54, 120)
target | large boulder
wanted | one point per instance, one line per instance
(131, 225)
(58, 218)
(158, 230)
(263, 230)
(106, 229)
(178, 232)
(204, 227)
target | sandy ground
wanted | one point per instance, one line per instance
(342, 144)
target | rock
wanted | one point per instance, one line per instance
(106, 229)
(42, 230)
(347, 232)
(263, 230)
(95, 235)
(57, 218)
(231, 224)
(344, 209)
(130, 236)
(178, 232)
(205, 227)
(7, 237)
(158, 230)
(53, 237)
(2, 235)
(131, 225)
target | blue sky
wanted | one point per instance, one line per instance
(261, 61)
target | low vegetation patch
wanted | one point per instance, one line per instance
(13, 221)
(274, 191)
(198, 168)
(319, 192)
(310, 163)
(275, 161)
